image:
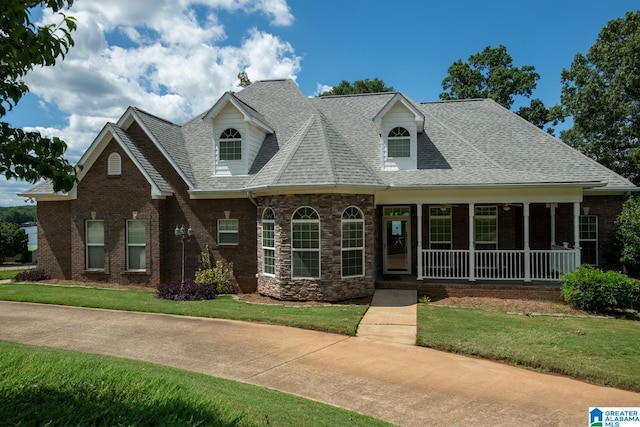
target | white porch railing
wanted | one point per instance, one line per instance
(497, 264)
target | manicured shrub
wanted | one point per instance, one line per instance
(594, 290)
(189, 292)
(35, 275)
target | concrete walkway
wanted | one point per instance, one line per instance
(402, 384)
(391, 317)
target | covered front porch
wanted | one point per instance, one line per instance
(503, 236)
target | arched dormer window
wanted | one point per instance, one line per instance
(399, 143)
(114, 165)
(230, 145)
(268, 242)
(305, 244)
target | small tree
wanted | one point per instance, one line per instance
(214, 272)
(358, 86)
(13, 240)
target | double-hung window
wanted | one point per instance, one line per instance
(228, 232)
(486, 227)
(305, 243)
(136, 245)
(440, 227)
(230, 145)
(399, 143)
(352, 242)
(268, 242)
(95, 244)
(589, 239)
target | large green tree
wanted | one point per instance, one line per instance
(358, 86)
(601, 92)
(491, 74)
(23, 46)
(13, 240)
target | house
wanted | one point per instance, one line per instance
(322, 198)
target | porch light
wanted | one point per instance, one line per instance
(183, 236)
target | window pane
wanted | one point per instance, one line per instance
(228, 239)
(95, 232)
(269, 261)
(589, 252)
(137, 256)
(352, 234)
(136, 233)
(95, 257)
(230, 150)
(399, 147)
(228, 225)
(352, 262)
(268, 234)
(306, 235)
(306, 264)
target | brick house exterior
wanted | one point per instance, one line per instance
(322, 198)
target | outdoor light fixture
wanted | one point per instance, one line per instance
(184, 236)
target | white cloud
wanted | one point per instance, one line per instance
(165, 56)
(320, 88)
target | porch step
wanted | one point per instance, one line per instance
(391, 317)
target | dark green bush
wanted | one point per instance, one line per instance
(190, 291)
(32, 276)
(594, 290)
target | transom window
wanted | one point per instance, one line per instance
(589, 239)
(228, 232)
(352, 242)
(136, 245)
(399, 143)
(95, 244)
(305, 243)
(440, 227)
(230, 145)
(268, 242)
(486, 227)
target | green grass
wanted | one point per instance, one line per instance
(336, 318)
(598, 350)
(40, 386)
(10, 274)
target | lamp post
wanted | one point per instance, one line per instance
(184, 236)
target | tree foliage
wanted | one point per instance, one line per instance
(23, 46)
(18, 214)
(601, 91)
(627, 235)
(358, 86)
(243, 79)
(491, 74)
(13, 240)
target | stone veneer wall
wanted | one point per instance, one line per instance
(331, 286)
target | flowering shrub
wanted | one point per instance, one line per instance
(32, 276)
(189, 292)
(220, 276)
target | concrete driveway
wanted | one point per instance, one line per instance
(403, 384)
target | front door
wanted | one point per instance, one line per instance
(397, 238)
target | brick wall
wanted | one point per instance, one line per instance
(331, 286)
(54, 229)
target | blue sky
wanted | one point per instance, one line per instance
(174, 59)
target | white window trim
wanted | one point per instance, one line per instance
(137, 245)
(87, 244)
(318, 250)
(236, 231)
(475, 216)
(431, 218)
(238, 140)
(360, 248)
(399, 138)
(591, 240)
(272, 248)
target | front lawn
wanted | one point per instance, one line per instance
(336, 318)
(604, 351)
(40, 387)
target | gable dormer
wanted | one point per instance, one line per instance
(398, 124)
(238, 132)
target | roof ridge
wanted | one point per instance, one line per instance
(139, 110)
(296, 139)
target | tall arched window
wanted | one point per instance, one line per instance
(352, 242)
(305, 243)
(114, 164)
(230, 145)
(399, 143)
(268, 242)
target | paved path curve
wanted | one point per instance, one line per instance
(402, 384)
